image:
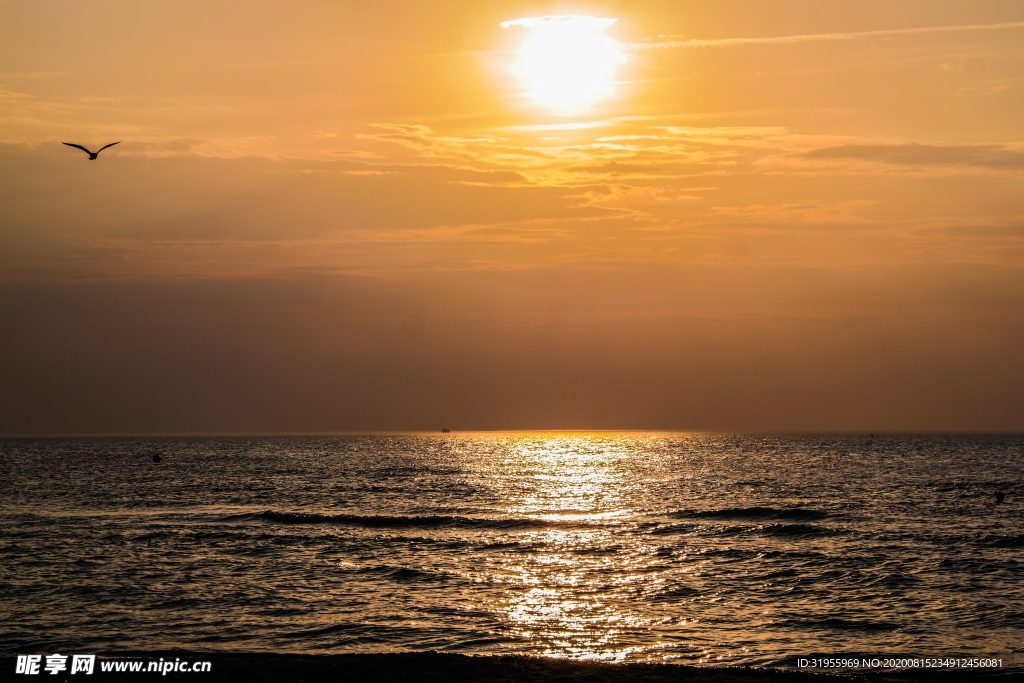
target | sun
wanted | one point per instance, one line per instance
(566, 63)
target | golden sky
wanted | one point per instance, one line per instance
(345, 215)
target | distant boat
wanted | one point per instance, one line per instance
(445, 430)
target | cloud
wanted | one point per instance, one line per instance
(678, 42)
(813, 212)
(411, 198)
(986, 156)
(154, 212)
(569, 157)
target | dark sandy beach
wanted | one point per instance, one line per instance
(430, 667)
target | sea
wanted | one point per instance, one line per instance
(691, 548)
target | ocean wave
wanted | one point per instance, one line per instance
(894, 580)
(409, 521)
(727, 554)
(671, 529)
(731, 530)
(676, 593)
(998, 541)
(836, 624)
(400, 574)
(753, 514)
(794, 530)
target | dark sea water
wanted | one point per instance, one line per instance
(688, 548)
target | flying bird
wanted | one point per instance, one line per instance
(92, 155)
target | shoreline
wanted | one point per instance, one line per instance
(442, 667)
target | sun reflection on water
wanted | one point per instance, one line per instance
(571, 597)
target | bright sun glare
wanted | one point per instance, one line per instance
(566, 63)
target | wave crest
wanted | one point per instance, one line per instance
(408, 521)
(753, 514)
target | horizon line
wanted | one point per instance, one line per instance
(449, 432)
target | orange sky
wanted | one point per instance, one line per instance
(343, 215)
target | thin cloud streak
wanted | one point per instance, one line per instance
(673, 42)
(989, 156)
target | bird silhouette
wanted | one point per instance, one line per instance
(92, 155)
